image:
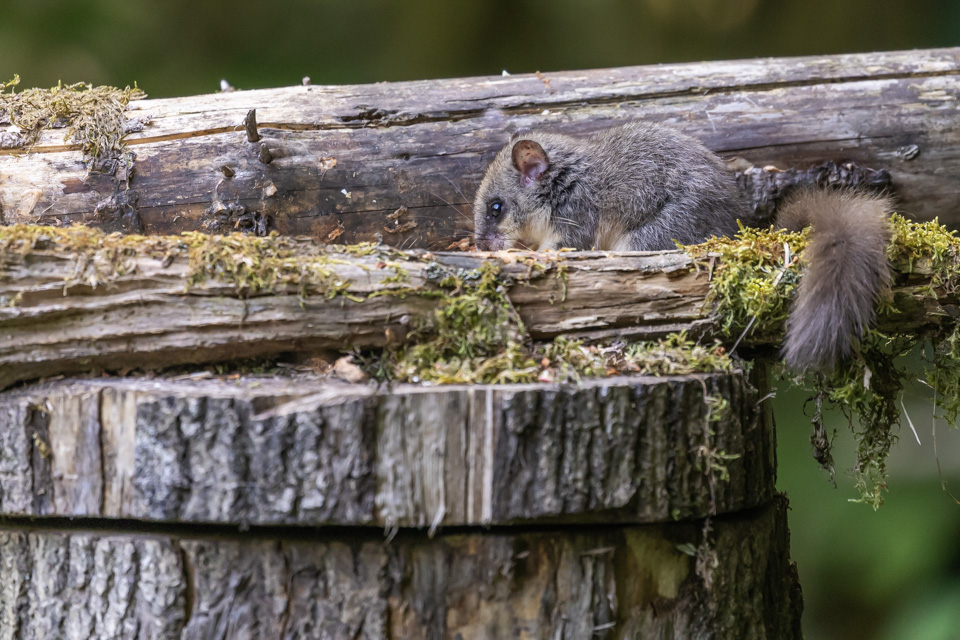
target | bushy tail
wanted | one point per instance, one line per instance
(846, 274)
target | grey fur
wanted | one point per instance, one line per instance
(846, 274)
(646, 185)
(641, 186)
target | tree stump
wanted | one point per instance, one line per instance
(279, 452)
(258, 508)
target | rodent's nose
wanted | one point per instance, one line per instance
(492, 242)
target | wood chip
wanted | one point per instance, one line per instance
(346, 370)
(460, 245)
(336, 233)
(403, 228)
(326, 164)
(396, 214)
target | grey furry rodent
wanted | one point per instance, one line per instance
(641, 186)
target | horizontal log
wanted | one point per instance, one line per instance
(555, 583)
(143, 309)
(277, 451)
(347, 156)
(74, 301)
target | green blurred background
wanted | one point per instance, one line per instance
(890, 574)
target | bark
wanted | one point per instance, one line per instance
(275, 451)
(146, 314)
(344, 157)
(625, 582)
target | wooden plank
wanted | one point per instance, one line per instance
(424, 144)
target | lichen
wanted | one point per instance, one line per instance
(93, 116)
(753, 278)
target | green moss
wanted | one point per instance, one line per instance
(566, 360)
(255, 265)
(753, 277)
(400, 274)
(93, 116)
(928, 248)
(99, 258)
(944, 374)
(475, 336)
(753, 280)
(252, 265)
(712, 461)
(866, 388)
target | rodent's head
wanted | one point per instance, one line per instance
(509, 204)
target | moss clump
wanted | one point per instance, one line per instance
(476, 336)
(927, 248)
(944, 375)
(866, 388)
(256, 265)
(93, 116)
(252, 265)
(753, 279)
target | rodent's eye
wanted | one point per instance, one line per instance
(494, 208)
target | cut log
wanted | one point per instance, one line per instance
(344, 157)
(144, 312)
(276, 451)
(630, 582)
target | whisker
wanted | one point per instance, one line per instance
(461, 213)
(575, 223)
(454, 185)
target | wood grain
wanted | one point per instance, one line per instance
(347, 156)
(270, 451)
(150, 313)
(625, 582)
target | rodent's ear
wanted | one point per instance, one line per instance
(530, 160)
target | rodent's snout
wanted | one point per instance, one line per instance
(492, 242)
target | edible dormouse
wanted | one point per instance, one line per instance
(645, 187)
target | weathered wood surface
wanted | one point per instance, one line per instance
(279, 451)
(607, 583)
(52, 322)
(423, 145)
